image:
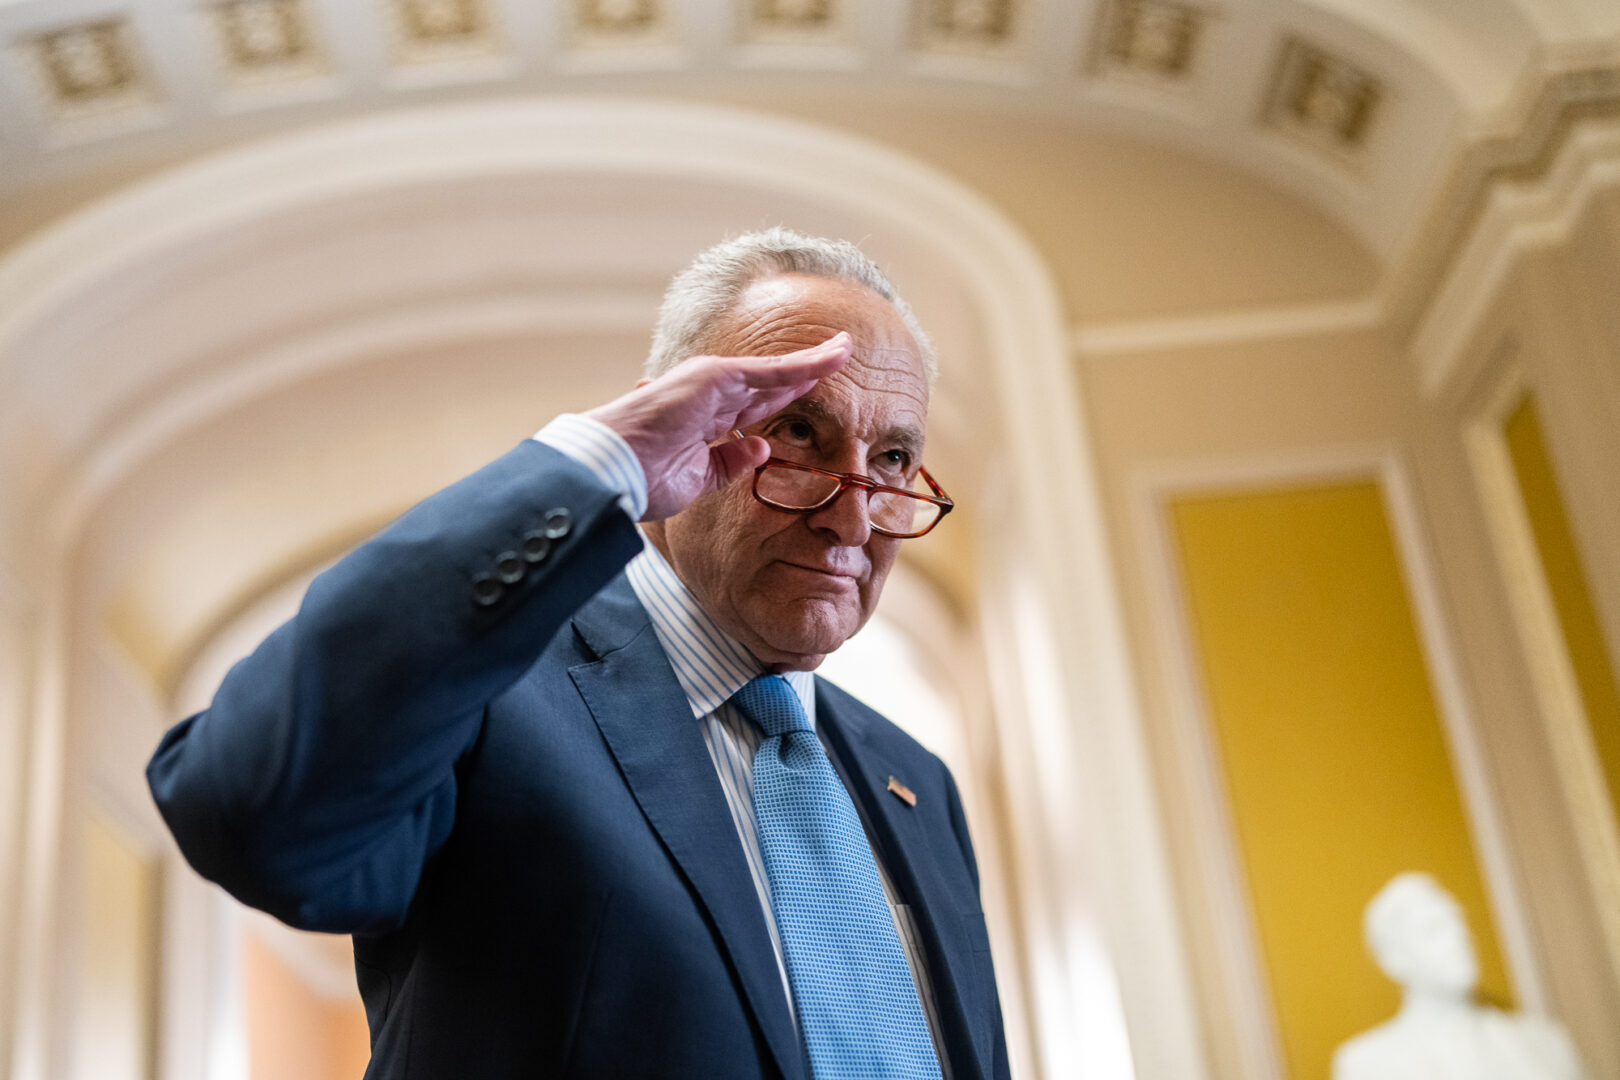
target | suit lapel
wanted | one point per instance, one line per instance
(644, 717)
(908, 850)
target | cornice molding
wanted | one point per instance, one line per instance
(1529, 207)
(1508, 194)
(1510, 163)
(1103, 340)
(1521, 152)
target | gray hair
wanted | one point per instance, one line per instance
(709, 288)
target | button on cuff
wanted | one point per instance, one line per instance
(536, 546)
(509, 568)
(558, 522)
(486, 590)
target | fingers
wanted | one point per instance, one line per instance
(796, 368)
(764, 403)
(737, 457)
(670, 421)
(770, 382)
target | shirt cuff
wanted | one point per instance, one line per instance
(603, 451)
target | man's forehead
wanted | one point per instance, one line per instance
(885, 381)
(789, 305)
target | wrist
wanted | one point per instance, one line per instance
(605, 452)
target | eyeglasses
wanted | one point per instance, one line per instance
(899, 512)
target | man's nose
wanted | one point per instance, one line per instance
(847, 518)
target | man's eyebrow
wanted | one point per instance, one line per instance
(816, 411)
(905, 437)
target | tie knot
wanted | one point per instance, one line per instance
(770, 702)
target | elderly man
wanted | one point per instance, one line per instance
(572, 786)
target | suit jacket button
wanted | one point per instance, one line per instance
(486, 590)
(536, 546)
(509, 568)
(558, 522)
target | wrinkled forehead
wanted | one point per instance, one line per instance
(885, 381)
(880, 407)
(890, 382)
(880, 396)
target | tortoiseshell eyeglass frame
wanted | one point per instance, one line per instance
(848, 480)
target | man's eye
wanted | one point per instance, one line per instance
(795, 431)
(894, 461)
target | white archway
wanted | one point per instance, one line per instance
(151, 343)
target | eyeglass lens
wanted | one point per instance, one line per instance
(799, 490)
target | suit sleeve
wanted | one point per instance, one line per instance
(322, 776)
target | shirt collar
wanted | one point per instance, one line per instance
(709, 663)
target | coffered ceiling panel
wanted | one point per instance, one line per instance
(1360, 106)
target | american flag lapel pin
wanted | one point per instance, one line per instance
(903, 793)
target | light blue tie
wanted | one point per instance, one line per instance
(852, 989)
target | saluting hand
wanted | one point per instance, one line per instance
(677, 423)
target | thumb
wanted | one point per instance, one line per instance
(736, 457)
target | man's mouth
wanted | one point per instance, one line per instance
(830, 573)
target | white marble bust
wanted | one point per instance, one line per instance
(1418, 936)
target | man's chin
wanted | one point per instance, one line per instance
(798, 663)
(805, 643)
(793, 654)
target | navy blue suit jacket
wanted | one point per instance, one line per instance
(511, 809)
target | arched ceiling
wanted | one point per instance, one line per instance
(300, 279)
(1361, 107)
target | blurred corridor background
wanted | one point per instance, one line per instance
(1280, 397)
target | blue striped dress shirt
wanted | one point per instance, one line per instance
(710, 666)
